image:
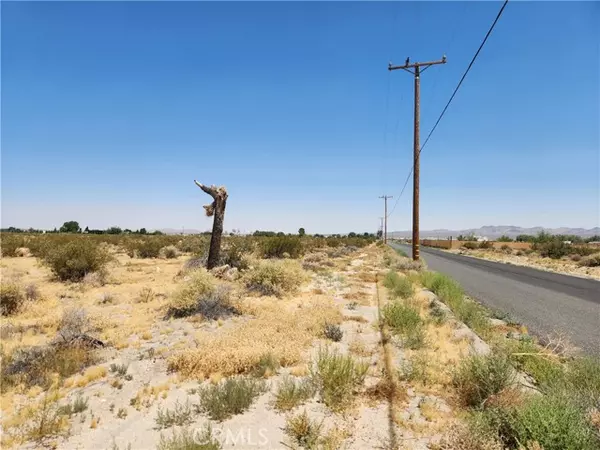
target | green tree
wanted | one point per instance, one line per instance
(504, 238)
(114, 230)
(301, 232)
(70, 227)
(87, 230)
(143, 231)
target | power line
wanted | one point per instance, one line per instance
(452, 98)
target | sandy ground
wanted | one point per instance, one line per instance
(121, 411)
(564, 265)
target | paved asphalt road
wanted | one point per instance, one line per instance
(543, 301)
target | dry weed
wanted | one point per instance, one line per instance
(274, 329)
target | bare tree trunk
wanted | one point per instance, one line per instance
(216, 209)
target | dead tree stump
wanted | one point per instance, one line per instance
(216, 209)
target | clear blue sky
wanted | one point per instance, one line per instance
(110, 110)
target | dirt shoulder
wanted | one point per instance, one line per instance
(564, 265)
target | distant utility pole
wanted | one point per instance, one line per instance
(385, 216)
(416, 146)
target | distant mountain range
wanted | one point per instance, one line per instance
(492, 232)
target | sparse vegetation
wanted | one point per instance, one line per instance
(144, 248)
(334, 332)
(404, 320)
(399, 286)
(291, 393)
(279, 246)
(230, 397)
(267, 365)
(274, 277)
(75, 259)
(201, 295)
(180, 415)
(480, 376)
(118, 369)
(450, 292)
(337, 377)
(11, 298)
(590, 260)
(169, 252)
(78, 405)
(303, 431)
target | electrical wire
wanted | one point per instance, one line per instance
(451, 98)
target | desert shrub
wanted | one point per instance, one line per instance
(337, 377)
(590, 260)
(575, 257)
(74, 260)
(405, 321)
(471, 245)
(291, 393)
(438, 315)
(73, 323)
(527, 357)
(582, 382)
(32, 293)
(267, 365)
(506, 248)
(303, 431)
(10, 242)
(552, 421)
(554, 249)
(333, 332)
(201, 295)
(197, 245)
(400, 287)
(230, 397)
(462, 437)
(480, 376)
(12, 298)
(274, 277)
(38, 364)
(415, 369)
(186, 439)
(169, 252)
(316, 261)
(194, 263)
(520, 253)
(96, 279)
(275, 247)
(236, 251)
(146, 295)
(180, 415)
(148, 247)
(486, 244)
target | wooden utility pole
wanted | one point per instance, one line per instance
(416, 146)
(385, 216)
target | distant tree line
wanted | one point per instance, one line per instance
(302, 232)
(73, 227)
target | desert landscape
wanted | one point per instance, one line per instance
(291, 342)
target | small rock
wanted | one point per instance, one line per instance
(497, 322)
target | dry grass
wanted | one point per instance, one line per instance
(282, 330)
(274, 277)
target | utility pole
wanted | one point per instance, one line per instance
(385, 216)
(381, 227)
(416, 146)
